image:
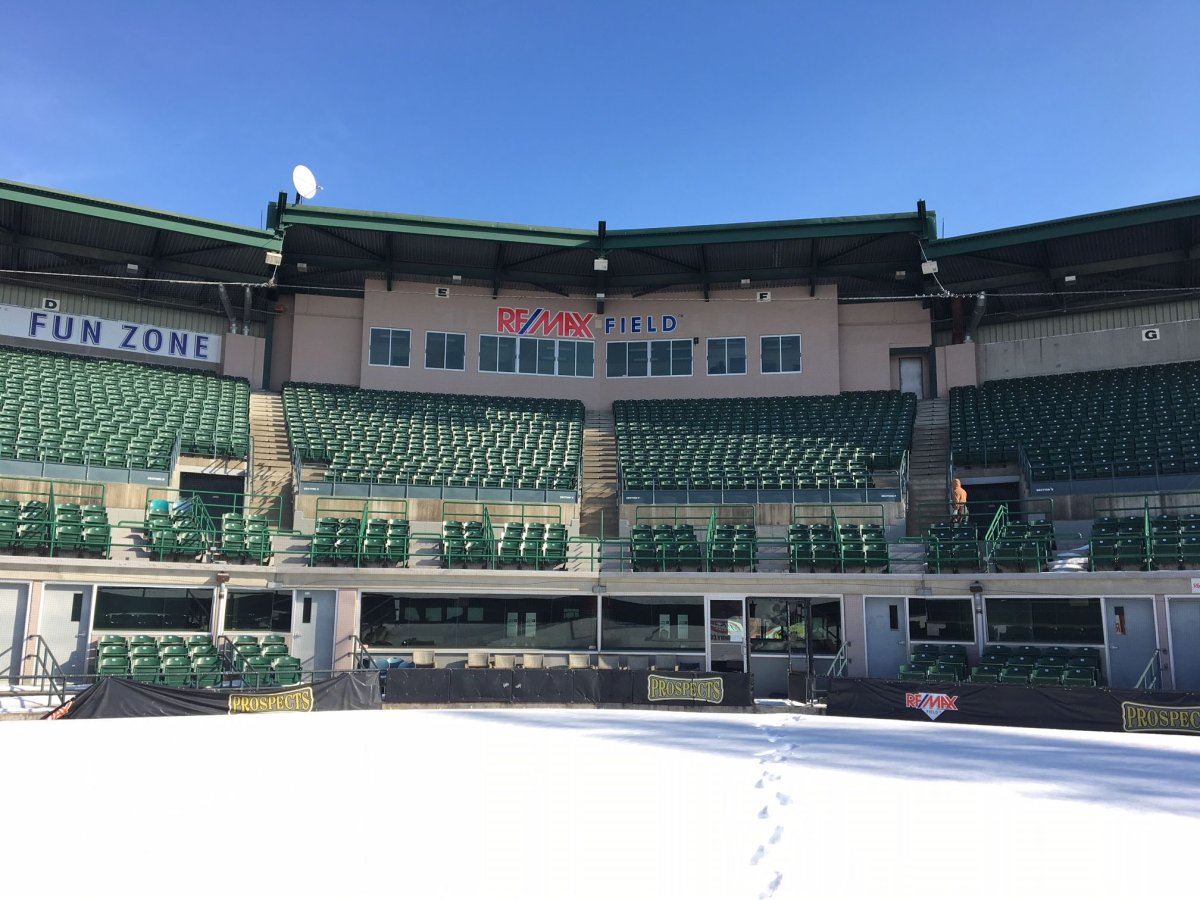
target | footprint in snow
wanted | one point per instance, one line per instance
(783, 799)
(772, 887)
(764, 813)
(758, 855)
(776, 835)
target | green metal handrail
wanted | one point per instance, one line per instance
(48, 669)
(1151, 678)
(839, 663)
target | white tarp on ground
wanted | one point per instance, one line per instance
(592, 803)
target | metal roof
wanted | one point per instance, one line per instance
(51, 238)
(334, 250)
(1122, 257)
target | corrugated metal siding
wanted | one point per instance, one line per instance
(124, 310)
(1096, 320)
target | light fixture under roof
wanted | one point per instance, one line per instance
(745, 282)
(600, 264)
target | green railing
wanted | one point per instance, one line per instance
(55, 518)
(1151, 677)
(839, 663)
(48, 674)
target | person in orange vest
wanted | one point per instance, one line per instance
(959, 503)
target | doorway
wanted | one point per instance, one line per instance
(912, 376)
(1131, 637)
(65, 624)
(725, 644)
(887, 643)
(313, 615)
(1184, 618)
(221, 493)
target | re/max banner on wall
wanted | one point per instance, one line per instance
(542, 322)
(67, 330)
(1018, 706)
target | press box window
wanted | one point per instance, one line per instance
(390, 347)
(536, 356)
(727, 356)
(653, 359)
(445, 350)
(780, 353)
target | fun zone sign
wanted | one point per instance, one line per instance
(69, 330)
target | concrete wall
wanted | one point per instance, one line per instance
(327, 339)
(281, 343)
(867, 332)
(956, 367)
(844, 348)
(1120, 348)
(242, 357)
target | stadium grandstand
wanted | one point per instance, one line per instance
(354, 439)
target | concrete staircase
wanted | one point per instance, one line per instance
(598, 488)
(928, 465)
(272, 470)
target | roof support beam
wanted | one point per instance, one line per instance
(498, 269)
(814, 262)
(704, 271)
(366, 252)
(391, 259)
(1095, 268)
(79, 251)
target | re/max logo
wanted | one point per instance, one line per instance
(540, 321)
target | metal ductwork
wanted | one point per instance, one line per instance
(976, 316)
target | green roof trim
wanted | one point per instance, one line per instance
(614, 239)
(1073, 226)
(788, 229)
(438, 227)
(95, 207)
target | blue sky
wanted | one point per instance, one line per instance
(640, 113)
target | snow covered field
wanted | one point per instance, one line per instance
(541, 803)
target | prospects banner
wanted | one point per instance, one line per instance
(69, 330)
(567, 686)
(1083, 709)
(119, 698)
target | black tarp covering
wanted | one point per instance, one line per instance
(115, 698)
(1082, 708)
(566, 686)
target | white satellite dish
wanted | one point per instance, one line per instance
(305, 182)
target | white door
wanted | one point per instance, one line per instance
(887, 643)
(1132, 639)
(1184, 622)
(13, 609)
(64, 624)
(912, 380)
(312, 629)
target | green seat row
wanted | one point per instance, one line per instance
(762, 443)
(68, 409)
